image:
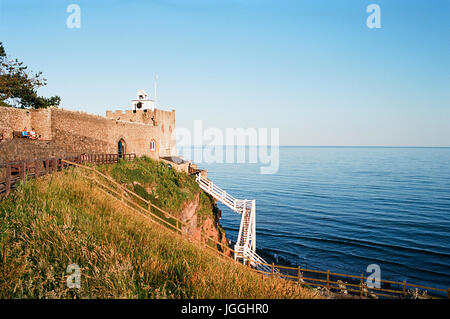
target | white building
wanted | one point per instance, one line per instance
(142, 102)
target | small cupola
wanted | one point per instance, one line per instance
(142, 102)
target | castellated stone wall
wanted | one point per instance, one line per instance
(141, 116)
(69, 132)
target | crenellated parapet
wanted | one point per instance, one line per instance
(155, 117)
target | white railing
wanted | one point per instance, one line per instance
(240, 242)
(219, 194)
(245, 246)
(260, 264)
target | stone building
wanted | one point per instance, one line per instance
(143, 130)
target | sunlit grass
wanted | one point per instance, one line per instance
(163, 186)
(49, 223)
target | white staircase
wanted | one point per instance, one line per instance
(245, 246)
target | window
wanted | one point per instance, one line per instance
(152, 145)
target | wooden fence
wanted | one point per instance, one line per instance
(352, 284)
(356, 285)
(112, 188)
(20, 170)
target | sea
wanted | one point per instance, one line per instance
(345, 208)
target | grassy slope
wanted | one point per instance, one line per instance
(49, 223)
(171, 190)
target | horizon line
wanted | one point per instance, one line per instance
(317, 146)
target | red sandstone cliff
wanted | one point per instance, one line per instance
(209, 225)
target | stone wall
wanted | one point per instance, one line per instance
(26, 149)
(81, 132)
(41, 122)
(165, 122)
(78, 132)
(182, 167)
(12, 119)
(162, 121)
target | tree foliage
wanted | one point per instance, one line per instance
(18, 85)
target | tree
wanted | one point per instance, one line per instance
(18, 86)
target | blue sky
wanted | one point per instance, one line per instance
(313, 69)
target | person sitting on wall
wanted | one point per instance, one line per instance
(25, 133)
(33, 135)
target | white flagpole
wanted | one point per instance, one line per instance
(155, 87)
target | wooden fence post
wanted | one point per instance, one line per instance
(36, 168)
(328, 279)
(299, 275)
(22, 170)
(8, 178)
(273, 269)
(404, 288)
(361, 285)
(448, 293)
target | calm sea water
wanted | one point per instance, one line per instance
(342, 209)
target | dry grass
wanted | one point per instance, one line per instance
(49, 223)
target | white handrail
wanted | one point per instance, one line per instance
(246, 242)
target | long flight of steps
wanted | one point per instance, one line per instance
(245, 246)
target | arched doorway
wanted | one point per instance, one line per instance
(121, 148)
